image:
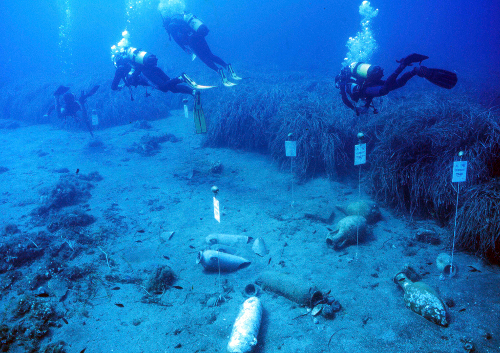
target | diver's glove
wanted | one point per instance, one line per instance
(361, 110)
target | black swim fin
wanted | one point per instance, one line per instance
(61, 90)
(442, 78)
(92, 91)
(412, 58)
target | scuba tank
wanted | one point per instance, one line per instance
(141, 57)
(366, 71)
(195, 23)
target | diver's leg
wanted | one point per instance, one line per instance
(174, 85)
(201, 49)
(400, 82)
(374, 91)
(390, 83)
(156, 76)
(182, 89)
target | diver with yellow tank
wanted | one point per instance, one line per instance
(136, 67)
(362, 81)
(189, 33)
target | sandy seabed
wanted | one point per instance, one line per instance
(141, 200)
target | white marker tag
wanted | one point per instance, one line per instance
(216, 210)
(291, 148)
(186, 111)
(95, 118)
(360, 154)
(459, 171)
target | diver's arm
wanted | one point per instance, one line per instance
(346, 100)
(58, 107)
(119, 75)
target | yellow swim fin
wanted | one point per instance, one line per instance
(199, 116)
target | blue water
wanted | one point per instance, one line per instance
(459, 35)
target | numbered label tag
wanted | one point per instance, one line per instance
(459, 171)
(216, 210)
(360, 154)
(186, 111)
(95, 118)
(291, 148)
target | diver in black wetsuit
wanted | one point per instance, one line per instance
(70, 107)
(138, 68)
(361, 81)
(189, 33)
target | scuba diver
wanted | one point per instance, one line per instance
(138, 68)
(189, 33)
(70, 106)
(361, 81)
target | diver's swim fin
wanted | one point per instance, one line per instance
(225, 81)
(412, 58)
(232, 73)
(92, 91)
(61, 90)
(51, 109)
(199, 116)
(84, 96)
(442, 78)
(193, 84)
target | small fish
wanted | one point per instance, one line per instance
(138, 241)
(472, 269)
(77, 171)
(141, 231)
(166, 257)
(43, 295)
(63, 298)
(115, 288)
(119, 305)
(192, 247)
(65, 321)
(83, 350)
(461, 310)
(269, 260)
(177, 287)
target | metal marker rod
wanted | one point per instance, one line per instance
(291, 171)
(455, 226)
(359, 199)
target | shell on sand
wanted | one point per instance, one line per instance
(259, 247)
(317, 309)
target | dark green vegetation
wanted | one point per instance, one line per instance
(411, 143)
(411, 146)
